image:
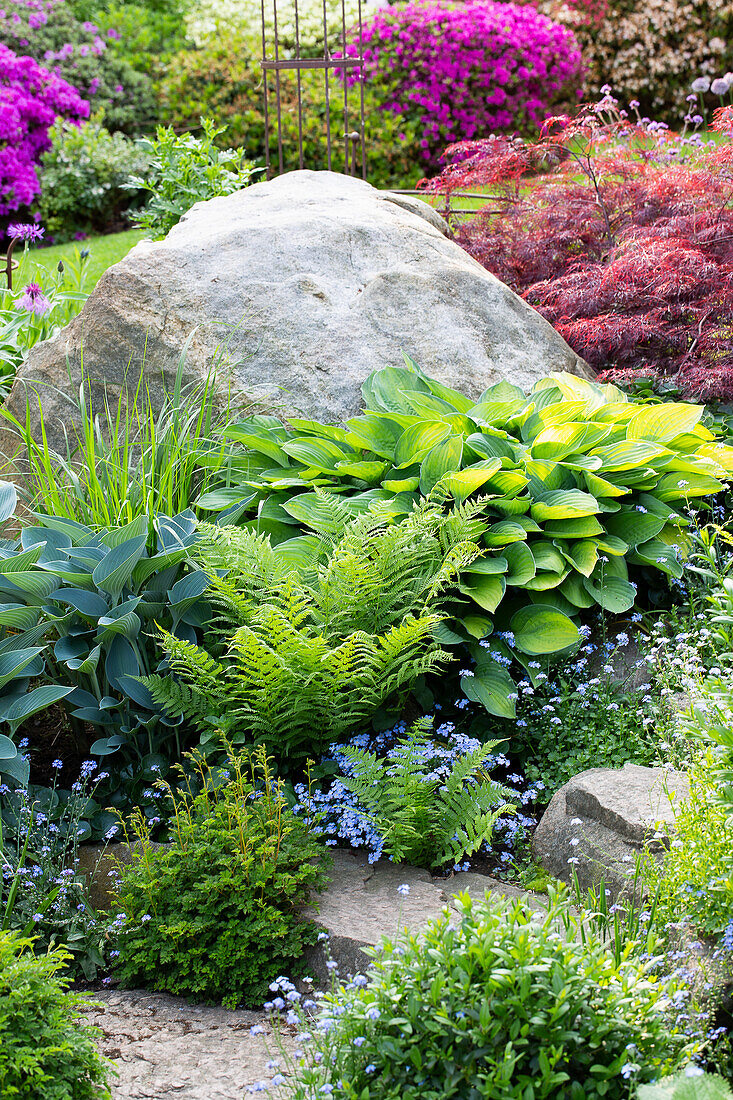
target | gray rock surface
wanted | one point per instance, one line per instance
(163, 1047)
(603, 819)
(304, 285)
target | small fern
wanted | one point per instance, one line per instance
(424, 818)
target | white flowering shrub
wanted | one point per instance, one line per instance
(208, 17)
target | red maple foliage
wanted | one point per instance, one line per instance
(620, 233)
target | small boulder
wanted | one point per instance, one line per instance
(599, 822)
(304, 285)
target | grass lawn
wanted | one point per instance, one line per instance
(103, 252)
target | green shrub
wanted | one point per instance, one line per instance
(183, 170)
(84, 179)
(45, 1049)
(501, 1003)
(215, 915)
(223, 81)
(426, 819)
(298, 659)
(577, 482)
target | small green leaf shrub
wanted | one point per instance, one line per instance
(426, 819)
(697, 1086)
(299, 659)
(499, 1003)
(84, 177)
(45, 1049)
(577, 483)
(215, 915)
(183, 170)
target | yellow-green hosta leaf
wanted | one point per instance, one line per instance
(660, 556)
(686, 486)
(609, 544)
(487, 591)
(611, 593)
(584, 556)
(487, 566)
(590, 394)
(634, 525)
(664, 422)
(407, 485)
(559, 440)
(573, 590)
(581, 527)
(511, 506)
(373, 433)
(541, 582)
(496, 413)
(508, 482)
(444, 458)
(629, 454)
(547, 556)
(504, 532)
(599, 487)
(719, 453)
(492, 686)
(364, 471)
(564, 504)
(539, 628)
(478, 626)
(521, 564)
(491, 444)
(418, 440)
(464, 482)
(615, 413)
(581, 462)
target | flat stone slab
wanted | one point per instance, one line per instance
(363, 904)
(162, 1046)
(600, 822)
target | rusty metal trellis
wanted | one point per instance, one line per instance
(352, 136)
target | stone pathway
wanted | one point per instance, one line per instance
(163, 1047)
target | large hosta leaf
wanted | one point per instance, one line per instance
(663, 422)
(541, 629)
(564, 504)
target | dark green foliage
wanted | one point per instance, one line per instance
(498, 1004)
(426, 819)
(45, 1051)
(215, 915)
(84, 178)
(299, 659)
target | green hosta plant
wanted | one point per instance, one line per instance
(576, 483)
(297, 658)
(426, 819)
(96, 596)
(694, 1085)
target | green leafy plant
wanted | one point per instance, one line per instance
(578, 483)
(688, 1086)
(215, 915)
(426, 820)
(32, 313)
(183, 170)
(296, 659)
(496, 1003)
(84, 176)
(136, 455)
(45, 1049)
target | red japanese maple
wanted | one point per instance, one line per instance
(617, 230)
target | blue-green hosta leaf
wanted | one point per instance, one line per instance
(218, 499)
(634, 525)
(8, 751)
(85, 665)
(611, 593)
(113, 573)
(564, 504)
(21, 560)
(187, 590)
(8, 500)
(14, 662)
(115, 536)
(121, 660)
(120, 620)
(18, 769)
(415, 443)
(539, 628)
(89, 604)
(492, 686)
(105, 746)
(18, 615)
(442, 459)
(15, 711)
(54, 542)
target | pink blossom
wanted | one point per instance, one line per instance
(34, 300)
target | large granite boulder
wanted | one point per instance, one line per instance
(303, 285)
(603, 819)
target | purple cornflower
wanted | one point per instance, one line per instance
(26, 231)
(34, 300)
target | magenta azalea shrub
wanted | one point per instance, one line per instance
(31, 98)
(466, 70)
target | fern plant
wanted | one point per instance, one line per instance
(425, 818)
(306, 642)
